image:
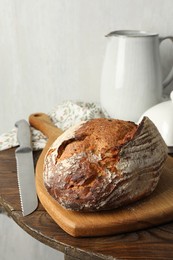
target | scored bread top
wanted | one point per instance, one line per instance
(98, 136)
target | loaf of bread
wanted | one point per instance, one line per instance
(103, 164)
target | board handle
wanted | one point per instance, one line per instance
(42, 122)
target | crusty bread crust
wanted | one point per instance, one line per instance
(102, 164)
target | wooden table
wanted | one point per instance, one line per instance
(153, 243)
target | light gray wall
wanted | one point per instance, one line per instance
(52, 50)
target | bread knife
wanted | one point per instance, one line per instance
(25, 168)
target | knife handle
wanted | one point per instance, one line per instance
(23, 135)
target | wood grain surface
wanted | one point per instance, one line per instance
(153, 210)
(153, 243)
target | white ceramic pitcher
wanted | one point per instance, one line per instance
(131, 78)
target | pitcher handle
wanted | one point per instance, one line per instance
(169, 77)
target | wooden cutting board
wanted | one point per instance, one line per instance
(153, 210)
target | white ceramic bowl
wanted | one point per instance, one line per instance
(162, 117)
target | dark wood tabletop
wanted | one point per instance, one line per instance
(153, 243)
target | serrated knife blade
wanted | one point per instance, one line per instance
(25, 168)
